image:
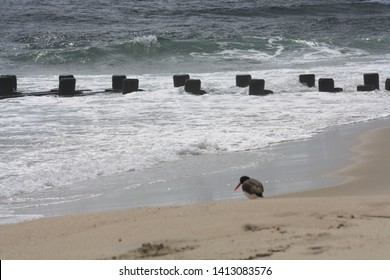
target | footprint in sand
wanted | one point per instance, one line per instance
(152, 250)
(253, 227)
(316, 250)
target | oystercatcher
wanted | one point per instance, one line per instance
(251, 187)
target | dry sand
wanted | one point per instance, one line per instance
(348, 221)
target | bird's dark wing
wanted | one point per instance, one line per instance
(253, 186)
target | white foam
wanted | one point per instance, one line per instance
(48, 143)
(384, 2)
(148, 41)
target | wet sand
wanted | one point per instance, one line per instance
(349, 219)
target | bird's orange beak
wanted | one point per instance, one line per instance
(239, 184)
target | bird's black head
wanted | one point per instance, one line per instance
(243, 179)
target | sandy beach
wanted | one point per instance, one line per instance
(349, 220)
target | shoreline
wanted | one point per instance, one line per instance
(347, 220)
(284, 168)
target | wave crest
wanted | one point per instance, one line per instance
(143, 45)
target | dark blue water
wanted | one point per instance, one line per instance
(180, 35)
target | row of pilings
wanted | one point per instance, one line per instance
(124, 85)
(371, 83)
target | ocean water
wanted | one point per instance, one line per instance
(49, 143)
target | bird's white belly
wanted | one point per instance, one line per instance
(250, 196)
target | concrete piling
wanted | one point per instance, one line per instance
(307, 79)
(193, 86)
(327, 85)
(371, 79)
(67, 86)
(8, 85)
(371, 82)
(256, 87)
(387, 84)
(243, 80)
(117, 82)
(130, 85)
(180, 80)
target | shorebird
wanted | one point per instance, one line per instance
(251, 187)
